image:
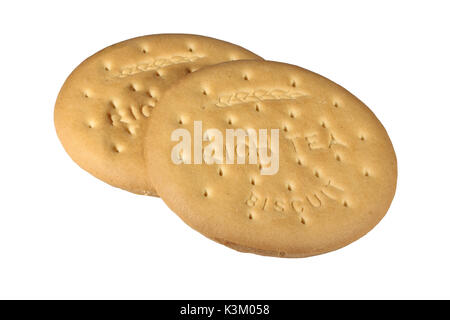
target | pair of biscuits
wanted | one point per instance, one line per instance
(122, 114)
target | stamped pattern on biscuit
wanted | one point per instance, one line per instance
(257, 95)
(154, 64)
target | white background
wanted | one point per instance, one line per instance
(65, 234)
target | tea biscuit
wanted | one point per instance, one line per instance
(337, 167)
(103, 107)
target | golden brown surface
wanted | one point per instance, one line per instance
(337, 174)
(104, 106)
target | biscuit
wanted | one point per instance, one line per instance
(337, 167)
(103, 107)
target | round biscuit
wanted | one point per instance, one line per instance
(103, 107)
(337, 167)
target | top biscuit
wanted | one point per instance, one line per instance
(103, 107)
(336, 173)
